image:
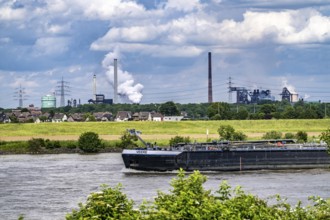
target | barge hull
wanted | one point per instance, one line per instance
(226, 160)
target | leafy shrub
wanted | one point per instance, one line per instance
(325, 136)
(272, 135)
(187, 199)
(239, 136)
(227, 132)
(69, 144)
(89, 142)
(52, 144)
(36, 144)
(179, 139)
(302, 136)
(289, 136)
(110, 203)
(127, 140)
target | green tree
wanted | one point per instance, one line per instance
(289, 113)
(242, 114)
(268, 109)
(128, 140)
(289, 136)
(227, 132)
(89, 117)
(272, 135)
(239, 136)
(301, 136)
(89, 142)
(109, 203)
(35, 145)
(325, 136)
(219, 111)
(13, 119)
(187, 200)
(179, 139)
(169, 109)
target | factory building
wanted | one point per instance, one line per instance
(100, 99)
(244, 96)
(288, 95)
(258, 96)
(48, 101)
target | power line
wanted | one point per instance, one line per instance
(63, 90)
(20, 96)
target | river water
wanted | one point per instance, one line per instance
(49, 186)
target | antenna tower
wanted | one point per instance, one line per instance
(230, 90)
(63, 89)
(20, 96)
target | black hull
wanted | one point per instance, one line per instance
(227, 160)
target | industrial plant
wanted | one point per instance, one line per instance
(246, 96)
(243, 94)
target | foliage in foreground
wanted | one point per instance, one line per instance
(179, 139)
(227, 132)
(128, 140)
(325, 136)
(89, 142)
(189, 200)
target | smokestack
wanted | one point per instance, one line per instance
(210, 79)
(115, 82)
(94, 87)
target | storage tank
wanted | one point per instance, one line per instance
(48, 101)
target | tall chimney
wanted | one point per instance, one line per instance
(210, 79)
(94, 87)
(115, 82)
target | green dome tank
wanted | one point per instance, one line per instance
(48, 101)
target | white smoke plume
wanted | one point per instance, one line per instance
(289, 87)
(126, 85)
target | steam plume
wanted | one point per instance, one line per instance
(126, 85)
(289, 87)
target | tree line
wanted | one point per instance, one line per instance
(211, 111)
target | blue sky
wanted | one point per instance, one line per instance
(162, 47)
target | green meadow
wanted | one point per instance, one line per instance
(250, 127)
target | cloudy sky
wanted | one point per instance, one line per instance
(161, 47)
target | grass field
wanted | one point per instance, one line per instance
(159, 130)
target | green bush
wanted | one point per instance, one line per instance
(69, 144)
(272, 135)
(325, 136)
(127, 140)
(239, 136)
(89, 142)
(289, 136)
(302, 136)
(35, 145)
(52, 144)
(227, 132)
(179, 139)
(109, 203)
(187, 199)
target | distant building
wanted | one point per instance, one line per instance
(290, 96)
(173, 118)
(59, 117)
(48, 101)
(124, 116)
(157, 116)
(100, 99)
(258, 96)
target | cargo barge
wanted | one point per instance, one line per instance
(228, 156)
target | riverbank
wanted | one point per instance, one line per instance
(253, 128)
